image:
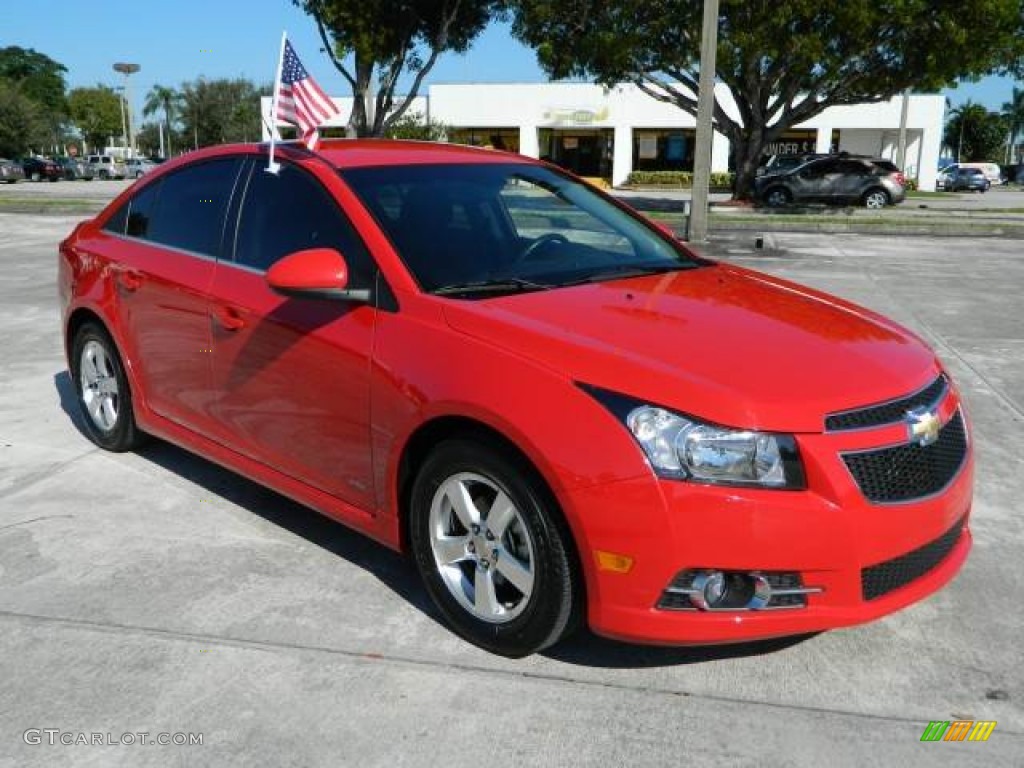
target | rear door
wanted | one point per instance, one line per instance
(849, 181)
(171, 234)
(292, 375)
(814, 180)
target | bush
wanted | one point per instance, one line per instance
(910, 184)
(681, 179)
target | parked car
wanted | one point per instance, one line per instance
(137, 167)
(967, 180)
(40, 168)
(74, 168)
(107, 166)
(560, 411)
(836, 180)
(11, 171)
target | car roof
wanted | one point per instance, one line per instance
(362, 153)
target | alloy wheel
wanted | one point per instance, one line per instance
(482, 547)
(876, 200)
(100, 393)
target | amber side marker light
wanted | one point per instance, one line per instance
(610, 561)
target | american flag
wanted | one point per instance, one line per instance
(300, 100)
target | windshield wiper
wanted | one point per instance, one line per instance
(623, 272)
(503, 285)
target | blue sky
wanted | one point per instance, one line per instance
(178, 40)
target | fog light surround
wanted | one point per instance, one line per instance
(714, 590)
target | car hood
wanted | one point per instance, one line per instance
(721, 343)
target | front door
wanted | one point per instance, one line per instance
(291, 375)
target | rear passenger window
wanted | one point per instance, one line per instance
(290, 211)
(189, 213)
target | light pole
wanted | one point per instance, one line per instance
(127, 69)
(124, 130)
(698, 223)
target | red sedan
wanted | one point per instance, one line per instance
(562, 413)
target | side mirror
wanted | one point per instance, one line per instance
(316, 273)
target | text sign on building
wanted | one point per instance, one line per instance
(573, 116)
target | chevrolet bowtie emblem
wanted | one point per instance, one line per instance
(922, 425)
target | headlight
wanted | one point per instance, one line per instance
(682, 447)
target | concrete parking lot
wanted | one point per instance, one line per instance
(154, 592)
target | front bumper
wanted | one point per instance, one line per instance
(828, 534)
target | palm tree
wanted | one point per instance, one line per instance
(166, 99)
(1013, 113)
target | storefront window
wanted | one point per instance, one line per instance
(663, 150)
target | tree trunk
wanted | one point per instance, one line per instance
(747, 146)
(358, 126)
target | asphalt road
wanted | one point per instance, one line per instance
(154, 592)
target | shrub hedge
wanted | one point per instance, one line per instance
(682, 179)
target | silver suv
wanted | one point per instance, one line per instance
(107, 167)
(836, 180)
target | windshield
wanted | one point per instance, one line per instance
(476, 230)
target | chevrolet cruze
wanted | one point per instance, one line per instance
(563, 414)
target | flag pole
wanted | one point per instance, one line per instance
(273, 167)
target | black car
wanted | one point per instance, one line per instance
(968, 180)
(836, 180)
(72, 168)
(39, 168)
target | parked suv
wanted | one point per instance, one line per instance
(967, 180)
(835, 179)
(137, 167)
(107, 166)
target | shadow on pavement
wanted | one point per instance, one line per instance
(392, 569)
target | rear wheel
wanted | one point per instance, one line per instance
(876, 199)
(104, 396)
(488, 545)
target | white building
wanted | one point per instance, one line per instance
(595, 131)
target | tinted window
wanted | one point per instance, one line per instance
(192, 203)
(140, 212)
(852, 167)
(289, 212)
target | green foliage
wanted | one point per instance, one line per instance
(219, 111)
(412, 125)
(910, 184)
(36, 76)
(1013, 114)
(782, 62)
(167, 100)
(23, 123)
(973, 134)
(683, 179)
(96, 112)
(386, 38)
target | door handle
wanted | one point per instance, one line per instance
(228, 318)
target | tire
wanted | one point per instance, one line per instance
(777, 197)
(522, 563)
(875, 199)
(102, 389)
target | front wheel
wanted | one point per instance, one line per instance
(777, 197)
(104, 396)
(488, 545)
(876, 199)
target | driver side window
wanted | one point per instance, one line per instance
(290, 211)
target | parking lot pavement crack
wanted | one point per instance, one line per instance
(35, 520)
(370, 657)
(28, 480)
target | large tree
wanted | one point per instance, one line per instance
(23, 124)
(973, 134)
(218, 111)
(96, 112)
(779, 63)
(385, 39)
(36, 75)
